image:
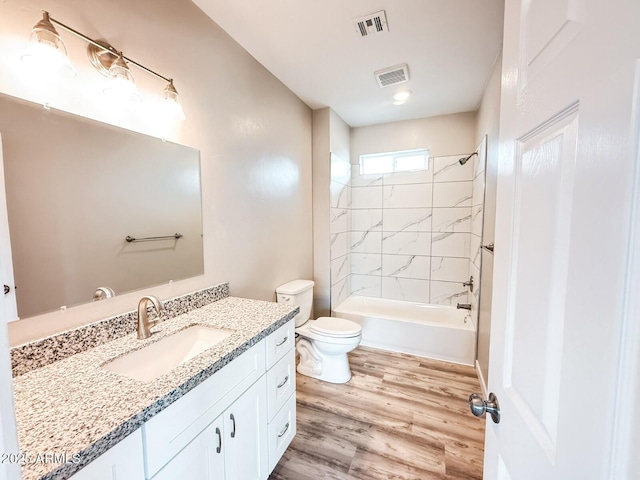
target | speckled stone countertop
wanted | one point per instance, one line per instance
(74, 407)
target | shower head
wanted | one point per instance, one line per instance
(464, 160)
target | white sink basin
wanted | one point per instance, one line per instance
(161, 357)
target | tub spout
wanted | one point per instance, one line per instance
(465, 306)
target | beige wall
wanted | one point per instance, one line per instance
(330, 135)
(442, 135)
(488, 124)
(253, 133)
(321, 199)
(340, 136)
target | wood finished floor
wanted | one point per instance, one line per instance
(400, 417)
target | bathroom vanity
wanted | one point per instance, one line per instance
(228, 413)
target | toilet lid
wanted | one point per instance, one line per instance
(335, 327)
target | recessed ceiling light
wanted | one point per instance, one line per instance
(401, 97)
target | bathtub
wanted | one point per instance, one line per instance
(434, 331)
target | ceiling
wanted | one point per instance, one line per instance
(313, 47)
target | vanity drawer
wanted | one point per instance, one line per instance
(168, 432)
(280, 342)
(281, 382)
(282, 429)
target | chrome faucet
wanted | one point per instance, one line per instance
(465, 306)
(144, 325)
(469, 283)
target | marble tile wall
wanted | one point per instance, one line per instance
(411, 233)
(340, 220)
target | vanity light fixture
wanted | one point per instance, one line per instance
(47, 49)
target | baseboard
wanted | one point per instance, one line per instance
(483, 383)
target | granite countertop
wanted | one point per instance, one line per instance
(76, 409)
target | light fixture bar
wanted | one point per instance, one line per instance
(102, 47)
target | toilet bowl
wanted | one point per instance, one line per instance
(323, 344)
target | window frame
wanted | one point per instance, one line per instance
(395, 156)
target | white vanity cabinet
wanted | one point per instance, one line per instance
(122, 462)
(232, 402)
(235, 425)
(281, 389)
(230, 447)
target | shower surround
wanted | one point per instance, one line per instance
(412, 236)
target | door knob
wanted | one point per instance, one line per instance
(479, 406)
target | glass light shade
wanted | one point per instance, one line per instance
(171, 104)
(120, 83)
(46, 51)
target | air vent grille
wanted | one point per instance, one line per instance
(371, 24)
(392, 76)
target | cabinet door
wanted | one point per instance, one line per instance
(202, 458)
(122, 462)
(245, 427)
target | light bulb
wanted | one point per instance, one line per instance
(171, 105)
(401, 97)
(46, 52)
(120, 83)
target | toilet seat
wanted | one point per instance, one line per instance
(335, 327)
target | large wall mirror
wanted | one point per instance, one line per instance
(75, 190)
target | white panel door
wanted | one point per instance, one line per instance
(10, 305)
(246, 440)
(565, 223)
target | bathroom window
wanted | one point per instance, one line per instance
(403, 161)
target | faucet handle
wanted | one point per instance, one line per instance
(144, 324)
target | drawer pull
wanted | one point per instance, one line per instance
(283, 341)
(219, 448)
(284, 382)
(233, 419)
(284, 430)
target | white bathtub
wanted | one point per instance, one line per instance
(433, 331)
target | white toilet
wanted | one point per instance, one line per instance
(323, 344)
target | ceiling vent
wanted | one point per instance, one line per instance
(371, 24)
(392, 76)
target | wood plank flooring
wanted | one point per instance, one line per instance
(400, 417)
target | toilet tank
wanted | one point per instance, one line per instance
(297, 292)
